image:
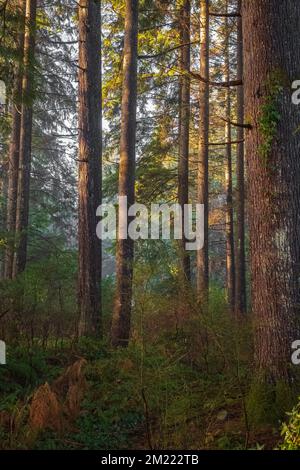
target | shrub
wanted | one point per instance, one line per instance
(291, 430)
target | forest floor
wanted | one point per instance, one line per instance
(144, 397)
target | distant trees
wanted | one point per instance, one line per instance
(22, 212)
(89, 176)
(125, 247)
(272, 62)
(14, 147)
(37, 88)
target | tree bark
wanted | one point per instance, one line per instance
(14, 148)
(184, 129)
(272, 62)
(25, 138)
(3, 208)
(229, 225)
(202, 268)
(240, 297)
(125, 248)
(90, 174)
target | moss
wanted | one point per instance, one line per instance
(260, 404)
(248, 120)
(269, 113)
(267, 403)
(285, 397)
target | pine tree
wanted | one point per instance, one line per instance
(184, 128)
(229, 224)
(202, 178)
(14, 148)
(90, 148)
(125, 247)
(240, 288)
(22, 213)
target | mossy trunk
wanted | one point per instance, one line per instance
(272, 62)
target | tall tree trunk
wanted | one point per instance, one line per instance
(125, 247)
(14, 147)
(272, 62)
(202, 179)
(3, 208)
(25, 138)
(184, 129)
(3, 182)
(240, 291)
(90, 174)
(229, 225)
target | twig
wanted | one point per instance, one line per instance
(148, 427)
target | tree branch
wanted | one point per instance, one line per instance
(237, 124)
(167, 51)
(225, 15)
(228, 84)
(232, 142)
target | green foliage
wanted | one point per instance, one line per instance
(228, 442)
(270, 115)
(43, 298)
(268, 122)
(260, 404)
(291, 430)
(26, 368)
(268, 402)
(115, 405)
(175, 381)
(91, 349)
(107, 292)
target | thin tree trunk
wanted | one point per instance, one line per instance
(90, 174)
(240, 294)
(14, 147)
(184, 128)
(202, 179)
(229, 225)
(272, 62)
(3, 184)
(25, 138)
(3, 208)
(125, 248)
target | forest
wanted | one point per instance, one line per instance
(149, 225)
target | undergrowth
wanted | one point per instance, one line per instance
(181, 384)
